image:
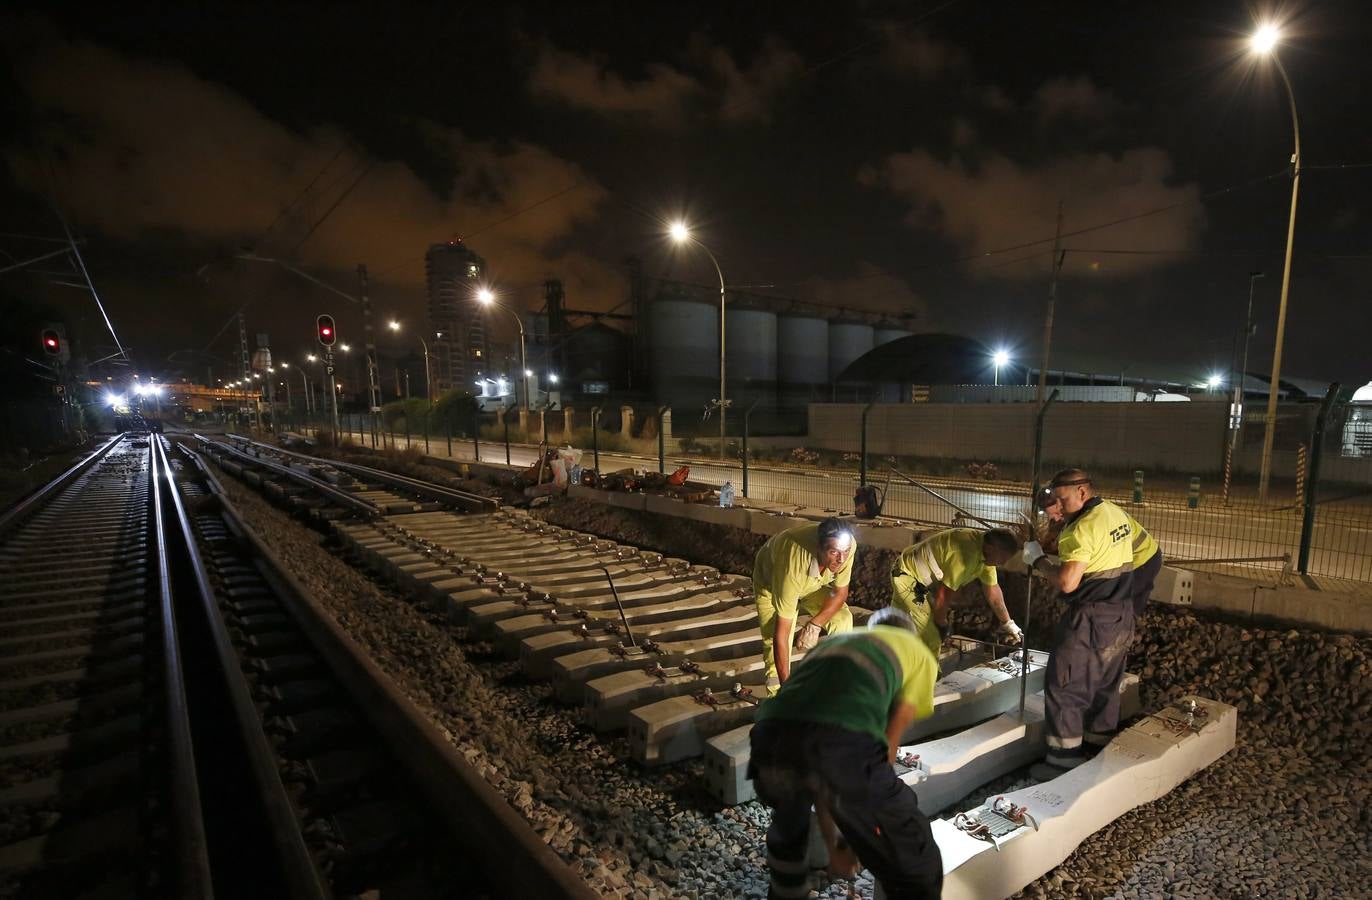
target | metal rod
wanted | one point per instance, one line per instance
(1038, 446)
(623, 618)
(964, 513)
(862, 459)
(1285, 557)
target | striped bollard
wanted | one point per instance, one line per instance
(1138, 485)
(1193, 494)
(1228, 472)
(1302, 461)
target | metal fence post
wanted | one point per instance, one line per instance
(1193, 493)
(746, 416)
(1138, 485)
(407, 431)
(1038, 445)
(595, 440)
(1312, 483)
(862, 451)
(661, 442)
(426, 431)
(448, 433)
(505, 421)
(476, 434)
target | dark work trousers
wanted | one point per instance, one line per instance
(1081, 686)
(1144, 576)
(877, 814)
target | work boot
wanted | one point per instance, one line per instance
(1056, 762)
(1093, 742)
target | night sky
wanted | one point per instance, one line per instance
(890, 157)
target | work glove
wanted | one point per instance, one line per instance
(808, 637)
(1032, 553)
(1010, 633)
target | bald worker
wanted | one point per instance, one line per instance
(803, 569)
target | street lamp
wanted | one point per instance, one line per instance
(681, 234)
(486, 297)
(1000, 359)
(428, 379)
(1264, 43)
(1213, 382)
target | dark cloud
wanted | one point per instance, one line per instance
(142, 147)
(998, 203)
(666, 95)
(1073, 98)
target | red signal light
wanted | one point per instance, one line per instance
(52, 342)
(325, 330)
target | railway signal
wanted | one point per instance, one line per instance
(325, 330)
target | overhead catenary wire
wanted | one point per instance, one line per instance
(85, 273)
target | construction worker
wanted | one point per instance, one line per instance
(806, 568)
(1147, 553)
(827, 740)
(925, 574)
(1096, 579)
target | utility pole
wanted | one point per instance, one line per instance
(1058, 256)
(373, 382)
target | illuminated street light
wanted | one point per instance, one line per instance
(486, 297)
(552, 378)
(1265, 38)
(1000, 358)
(1264, 44)
(681, 234)
(345, 347)
(310, 357)
(393, 325)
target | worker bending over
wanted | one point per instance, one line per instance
(1147, 553)
(803, 568)
(828, 739)
(1096, 578)
(926, 574)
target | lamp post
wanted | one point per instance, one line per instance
(1264, 42)
(681, 234)
(1241, 376)
(486, 297)
(1000, 359)
(428, 377)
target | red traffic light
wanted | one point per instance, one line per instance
(52, 342)
(326, 331)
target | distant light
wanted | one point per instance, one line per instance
(552, 378)
(1001, 358)
(257, 375)
(285, 365)
(345, 347)
(438, 334)
(480, 383)
(1213, 381)
(528, 373)
(1265, 38)
(310, 357)
(485, 295)
(679, 232)
(271, 369)
(393, 325)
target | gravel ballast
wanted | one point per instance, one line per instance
(1284, 814)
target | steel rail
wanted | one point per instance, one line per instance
(343, 498)
(511, 852)
(469, 501)
(20, 511)
(302, 877)
(191, 876)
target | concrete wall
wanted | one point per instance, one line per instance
(1187, 437)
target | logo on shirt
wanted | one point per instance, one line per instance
(1119, 534)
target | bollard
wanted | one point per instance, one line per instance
(1228, 472)
(1138, 485)
(1302, 466)
(1193, 493)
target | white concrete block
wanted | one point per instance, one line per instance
(1173, 586)
(1143, 763)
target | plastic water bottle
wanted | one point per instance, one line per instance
(726, 494)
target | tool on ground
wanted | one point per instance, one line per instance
(623, 618)
(937, 496)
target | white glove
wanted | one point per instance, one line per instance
(808, 637)
(1032, 553)
(1010, 633)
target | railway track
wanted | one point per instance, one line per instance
(98, 775)
(179, 718)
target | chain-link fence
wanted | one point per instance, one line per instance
(1181, 469)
